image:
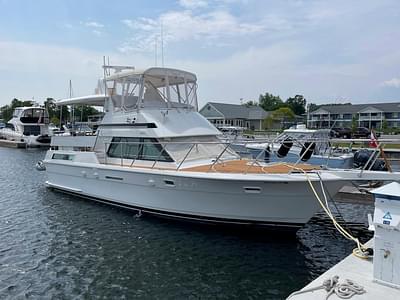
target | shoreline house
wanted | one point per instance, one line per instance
(224, 114)
(372, 115)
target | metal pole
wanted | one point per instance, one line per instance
(187, 154)
(218, 157)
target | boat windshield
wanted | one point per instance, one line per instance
(34, 115)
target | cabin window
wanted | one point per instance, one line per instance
(62, 156)
(31, 130)
(137, 148)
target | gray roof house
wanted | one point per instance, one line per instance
(223, 114)
(370, 115)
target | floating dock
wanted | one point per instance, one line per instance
(358, 270)
(12, 144)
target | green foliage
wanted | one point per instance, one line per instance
(82, 112)
(55, 120)
(270, 102)
(7, 110)
(250, 103)
(54, 111)
(312, 107)
(281, 116)
(354, 123)
(297, 104)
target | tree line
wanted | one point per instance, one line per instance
(270, 102)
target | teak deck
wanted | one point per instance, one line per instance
(245, 166)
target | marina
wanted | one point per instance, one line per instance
(198, 149)
(141, 159)
(71, 245)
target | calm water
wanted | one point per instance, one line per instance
(56, 246)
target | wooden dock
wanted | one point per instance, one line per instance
(360, 272)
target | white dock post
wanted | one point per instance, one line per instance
(387, 235)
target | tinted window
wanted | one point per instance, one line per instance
(138, 148)
(62, 156)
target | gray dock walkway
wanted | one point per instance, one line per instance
(356, 269)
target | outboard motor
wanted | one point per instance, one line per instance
(308, 148)
(362, 156)
(284, 148)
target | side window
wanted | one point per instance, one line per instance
(131, 148)
(137, 148)
(153, 150)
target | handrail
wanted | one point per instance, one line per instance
(218, 157)
(124, 157)
(187, 154)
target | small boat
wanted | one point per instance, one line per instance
(155, 153)
(299, 144)
(29, 125)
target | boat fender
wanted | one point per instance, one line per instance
(307, 150)
(40, 166)
(284, 148)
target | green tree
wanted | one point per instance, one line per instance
(7, 110)
(280, 116)
(250, 103)
(54, 111)
(385, 126)
(270, 102)
(312, 106)
(297, 104)
(354, 123)
(83, 112)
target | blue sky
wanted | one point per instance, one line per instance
(329, 51)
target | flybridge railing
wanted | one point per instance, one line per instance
(225, 152)
(161, 146)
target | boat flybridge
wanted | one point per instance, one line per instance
(155, 153)
(29, 125)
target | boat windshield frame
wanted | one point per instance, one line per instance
(155, 87)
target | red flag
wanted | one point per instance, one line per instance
(373, 142)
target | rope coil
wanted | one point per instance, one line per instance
(344, 290)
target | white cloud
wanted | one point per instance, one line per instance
(68, 26)
(394, 82)
(190, 4)
(93, 24)
(97, 32)
(39, 68)
(185, 25)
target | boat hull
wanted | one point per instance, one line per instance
(258, 202)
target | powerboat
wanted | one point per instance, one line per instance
(29, 125)
(299, 144)
(154, 152)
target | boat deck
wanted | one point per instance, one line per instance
(245, 166)
(356, 269)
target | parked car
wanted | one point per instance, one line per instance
(364, 132)
(341, 132)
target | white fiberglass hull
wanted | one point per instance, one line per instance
(29, 140)
(276, 202)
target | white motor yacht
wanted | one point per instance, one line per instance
(29, 125)
(155, 153)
